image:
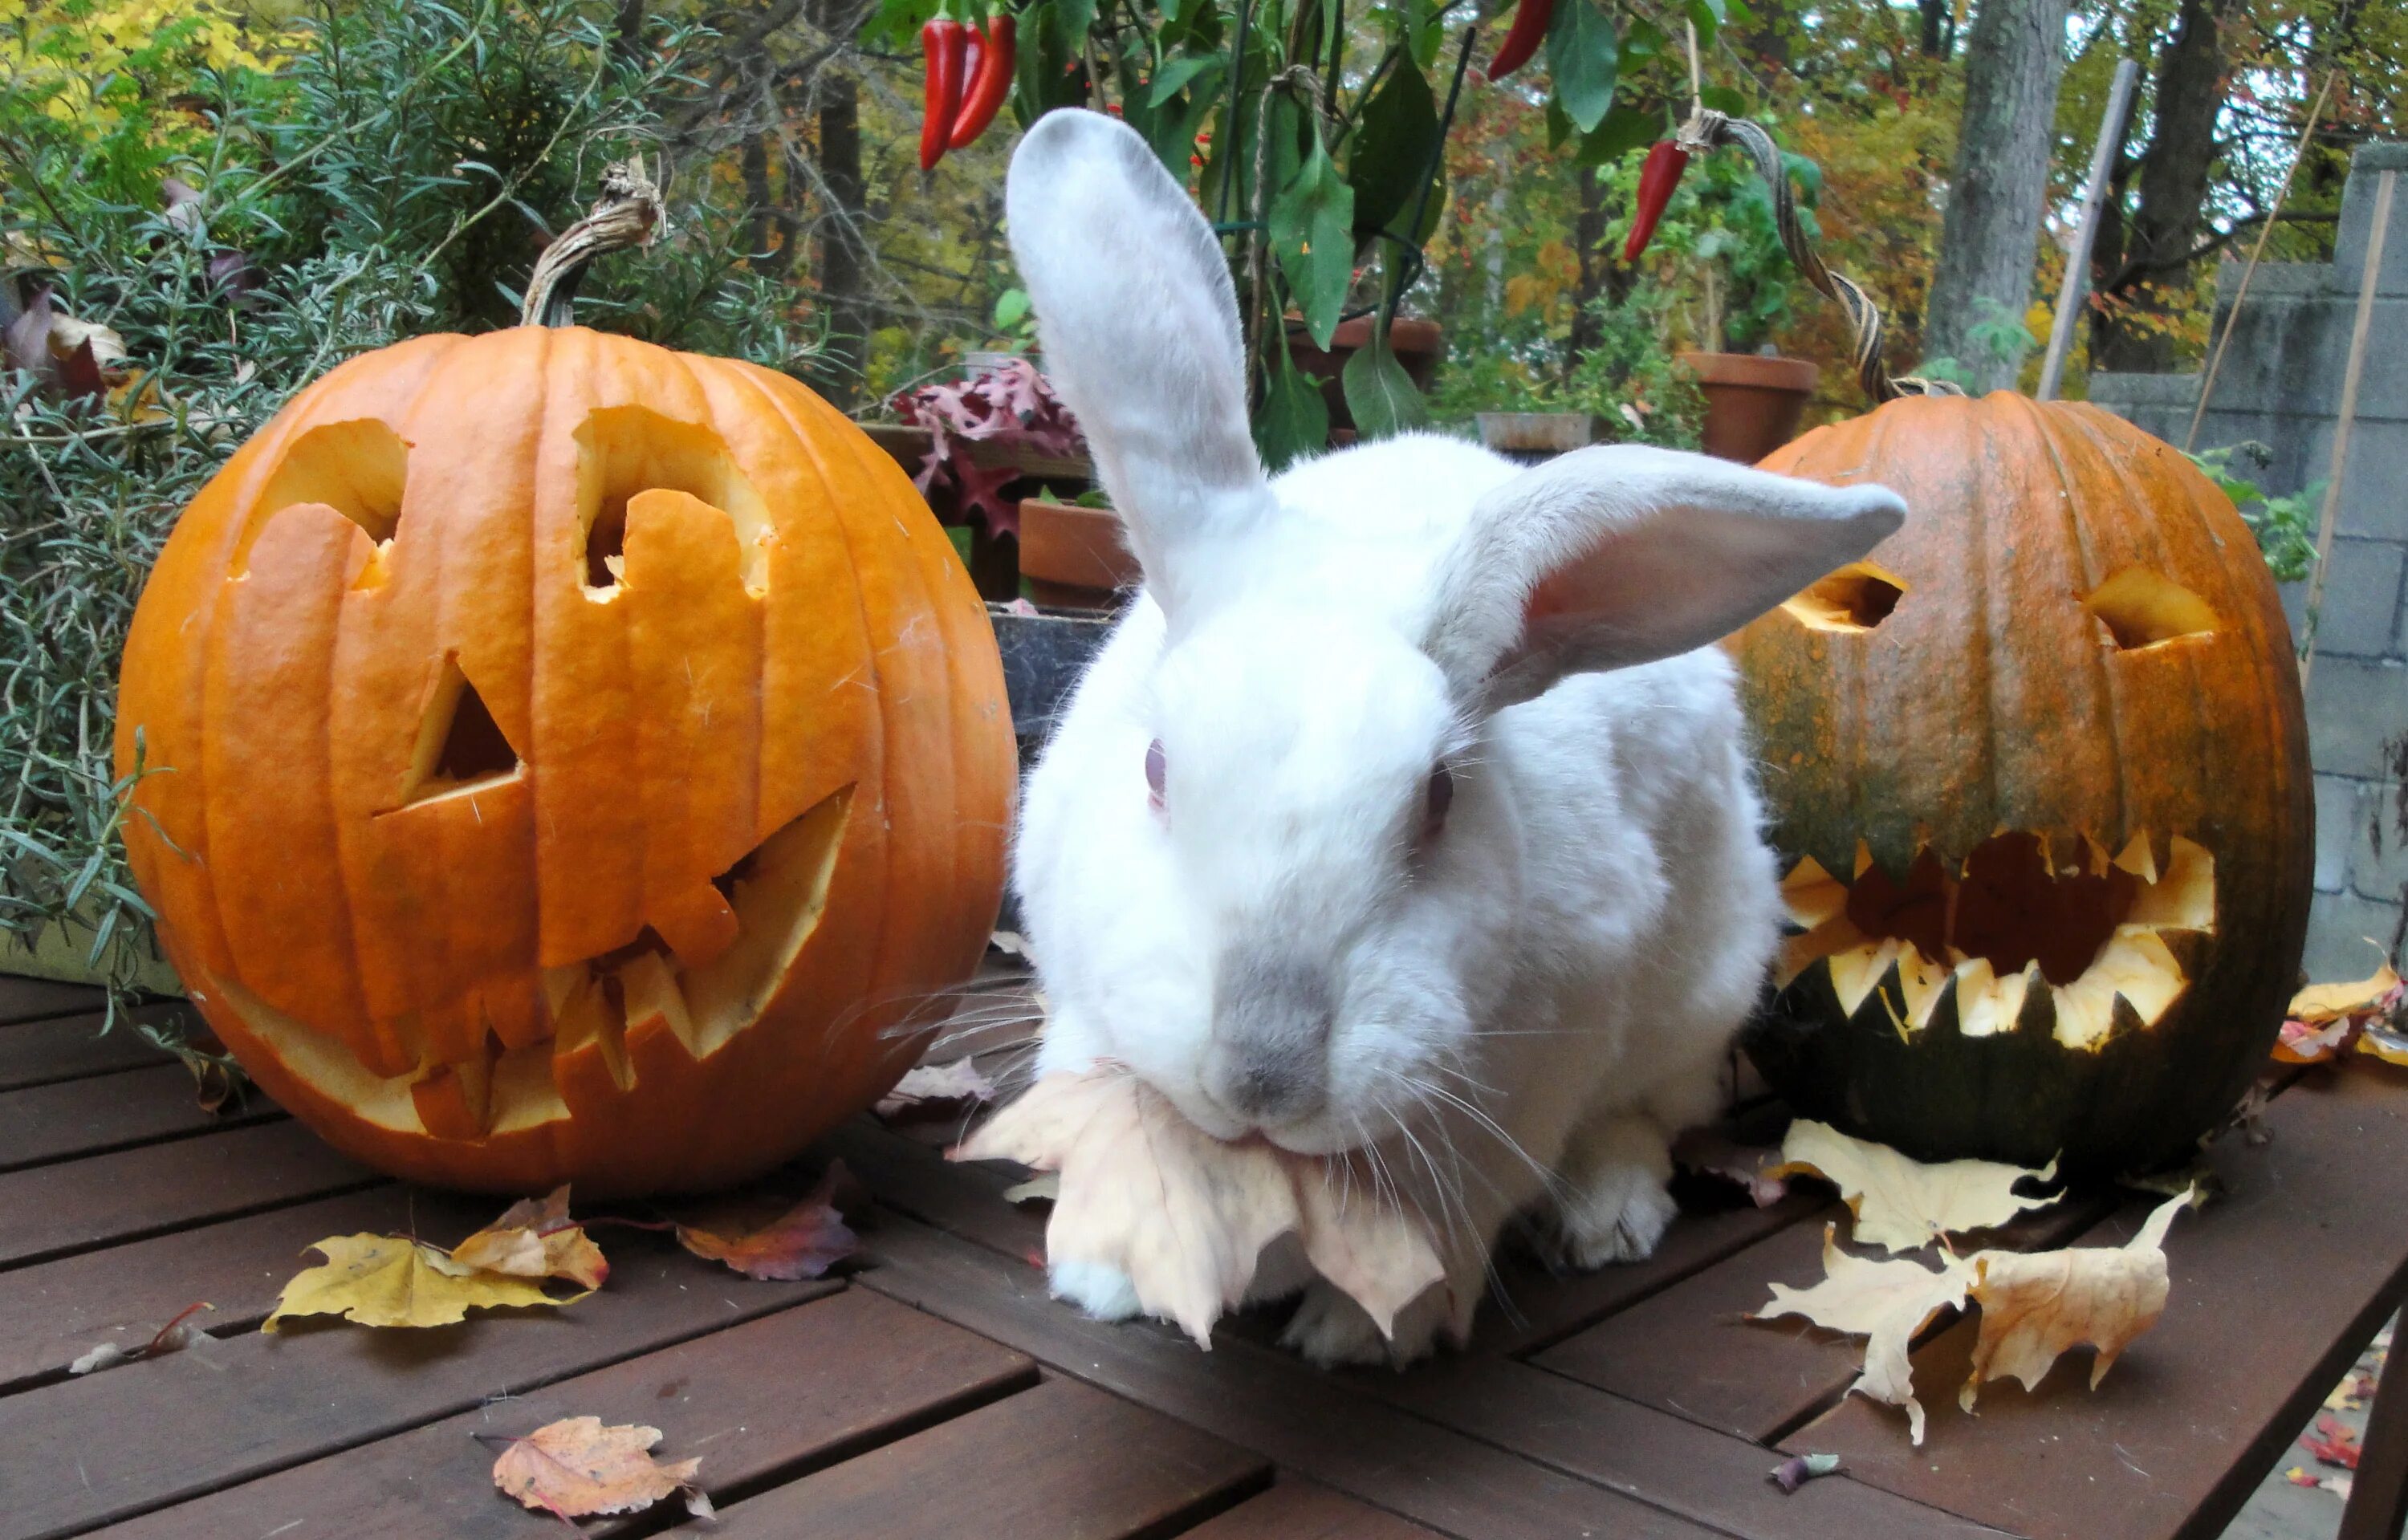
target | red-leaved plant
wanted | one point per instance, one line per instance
(1009, 405)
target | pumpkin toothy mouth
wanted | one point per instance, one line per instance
(688, 984)
(2014, 939)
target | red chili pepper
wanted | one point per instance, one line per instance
(945, 44)
(1658, 179)
(990, 83)
(1522, 39)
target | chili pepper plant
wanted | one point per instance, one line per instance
(1309, 130)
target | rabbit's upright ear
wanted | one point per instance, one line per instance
(1139, 328)
(1622, 554)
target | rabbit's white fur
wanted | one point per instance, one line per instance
(1515, 1012)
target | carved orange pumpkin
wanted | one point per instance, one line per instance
(568, 760)
(2040, 768)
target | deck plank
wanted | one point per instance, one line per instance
(149, 1434)
(761, 1402)
(1060, 1460)
(52, 1312)
(58, 1209)
(68, 1118)
(35, 1053)
(1329, 1429)
(1692, 1351)
(1259, 1399)
(1298, 1510)
(23, 999)
(2274, 1290)
(1715, 1479)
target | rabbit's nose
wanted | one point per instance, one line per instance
(1268, 1056)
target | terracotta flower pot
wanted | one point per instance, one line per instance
(1073, 557)
(1753, 403)
(1417, 343)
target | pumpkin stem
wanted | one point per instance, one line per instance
(1706, 129)
(631, 213)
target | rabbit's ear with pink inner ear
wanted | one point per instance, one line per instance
(1138, 325)
(1622, 554)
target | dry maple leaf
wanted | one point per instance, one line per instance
(2334, 1443)
(577, 1466)
(2036, 1305)
(391, 1280)
(1902, 1204)
(936, 1091)
(1185, 1215)
(1887, 1302)
(535, 1238)
(802, 1241)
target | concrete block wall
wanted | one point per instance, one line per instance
(2281, 387)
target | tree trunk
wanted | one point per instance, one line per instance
(1988, 238)
(1588, 243)
(841, 267)
(2191, 88)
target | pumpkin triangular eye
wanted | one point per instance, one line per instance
(459, 745)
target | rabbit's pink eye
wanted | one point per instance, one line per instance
(1154, 764)
(1441, 797)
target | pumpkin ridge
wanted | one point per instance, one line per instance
(2100, 659)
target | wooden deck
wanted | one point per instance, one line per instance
(936, 1390)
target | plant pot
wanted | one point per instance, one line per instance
(1073, 557)
(1417, 343)
(1753, 402)
(63, 952)
(1538, 436)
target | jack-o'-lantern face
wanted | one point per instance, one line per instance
(2038, 773)
(575, 760)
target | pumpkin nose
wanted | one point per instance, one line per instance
(1268, 1056)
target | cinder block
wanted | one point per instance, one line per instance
(2359, 615)
(2339, 927)
(2336, 822)
(2354, 705)
(2377, 846)
(2357, 220)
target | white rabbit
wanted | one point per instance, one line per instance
(1347, 838)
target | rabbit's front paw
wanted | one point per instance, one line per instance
(1617, 1213)
(1103, 1292)
(1330, 1328)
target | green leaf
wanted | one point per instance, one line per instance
(1173, 76)
(1312, 235)
(1043, 77)
(1173, 131)
(1725, 100)
(1707, 17)
(1391, 151)
(1626, 128)
(1293, 420)
(1010, 309)
(1379, 392)
(1425, 30)
(1560, 127)
(1585, 56)
(1070, 23)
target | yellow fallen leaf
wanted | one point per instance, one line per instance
(535, 1238)
(391, 1280)
(580, 1467)
(1185, 1216)
(1900, 1204)
(2035, 1306)
(1887, 1302)
(2321, 1002)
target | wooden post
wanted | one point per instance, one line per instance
(2094, 198)
(2352, 373)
